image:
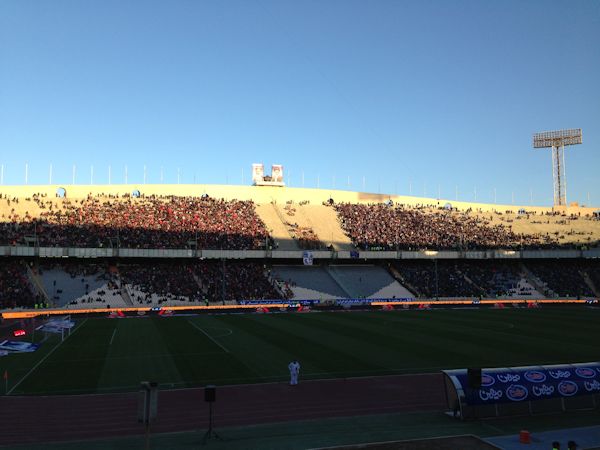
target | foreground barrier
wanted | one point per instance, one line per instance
(522, 390)
(294, 304)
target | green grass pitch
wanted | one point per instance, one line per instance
(108, 355)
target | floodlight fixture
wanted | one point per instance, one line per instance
(557, 140)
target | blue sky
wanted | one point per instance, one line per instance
(424, 94)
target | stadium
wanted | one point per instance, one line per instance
(188, 286)
(283, 224)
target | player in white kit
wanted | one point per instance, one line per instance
(294, 368)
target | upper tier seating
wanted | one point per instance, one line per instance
(386, 227)
(150, 222)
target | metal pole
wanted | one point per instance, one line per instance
(223, 280)
(530, 196)
(437, 292)
(564, 178)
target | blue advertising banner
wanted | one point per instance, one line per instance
(275, 302)
(18, 346)
(533, 383)
(339, 301)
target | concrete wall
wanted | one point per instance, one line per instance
(60, 252)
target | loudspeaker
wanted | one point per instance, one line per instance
(474, 378)
(210, 393)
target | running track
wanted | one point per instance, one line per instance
(36, 419)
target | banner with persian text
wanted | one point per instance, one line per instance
(519, 384)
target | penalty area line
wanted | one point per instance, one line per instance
(208, 336)
(44, 358)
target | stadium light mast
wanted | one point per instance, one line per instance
(557, 140)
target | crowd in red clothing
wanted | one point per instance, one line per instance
(15, 289)
(145, 222)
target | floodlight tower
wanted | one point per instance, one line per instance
(557, 141)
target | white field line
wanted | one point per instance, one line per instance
(112, 337)
(44, 358)
(394, 442)
(208, 336)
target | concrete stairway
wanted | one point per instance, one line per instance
(398, 276)
(590, 283)
(271, 216)
(333, 274)
(324, 221)
(122, 288)
(37, 284)
(536, 282)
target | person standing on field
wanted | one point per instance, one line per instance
(294, 368)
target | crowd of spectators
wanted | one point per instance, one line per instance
(167, 280)
(146, 222)
(305, 236)
(235, 281)
(217, 281)
(90, 283)
(492, 279)
(495, 278)
(397, 227)
(15, 288)
(564, 278)
(203, 281)
(431, 279)
(105, 298)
